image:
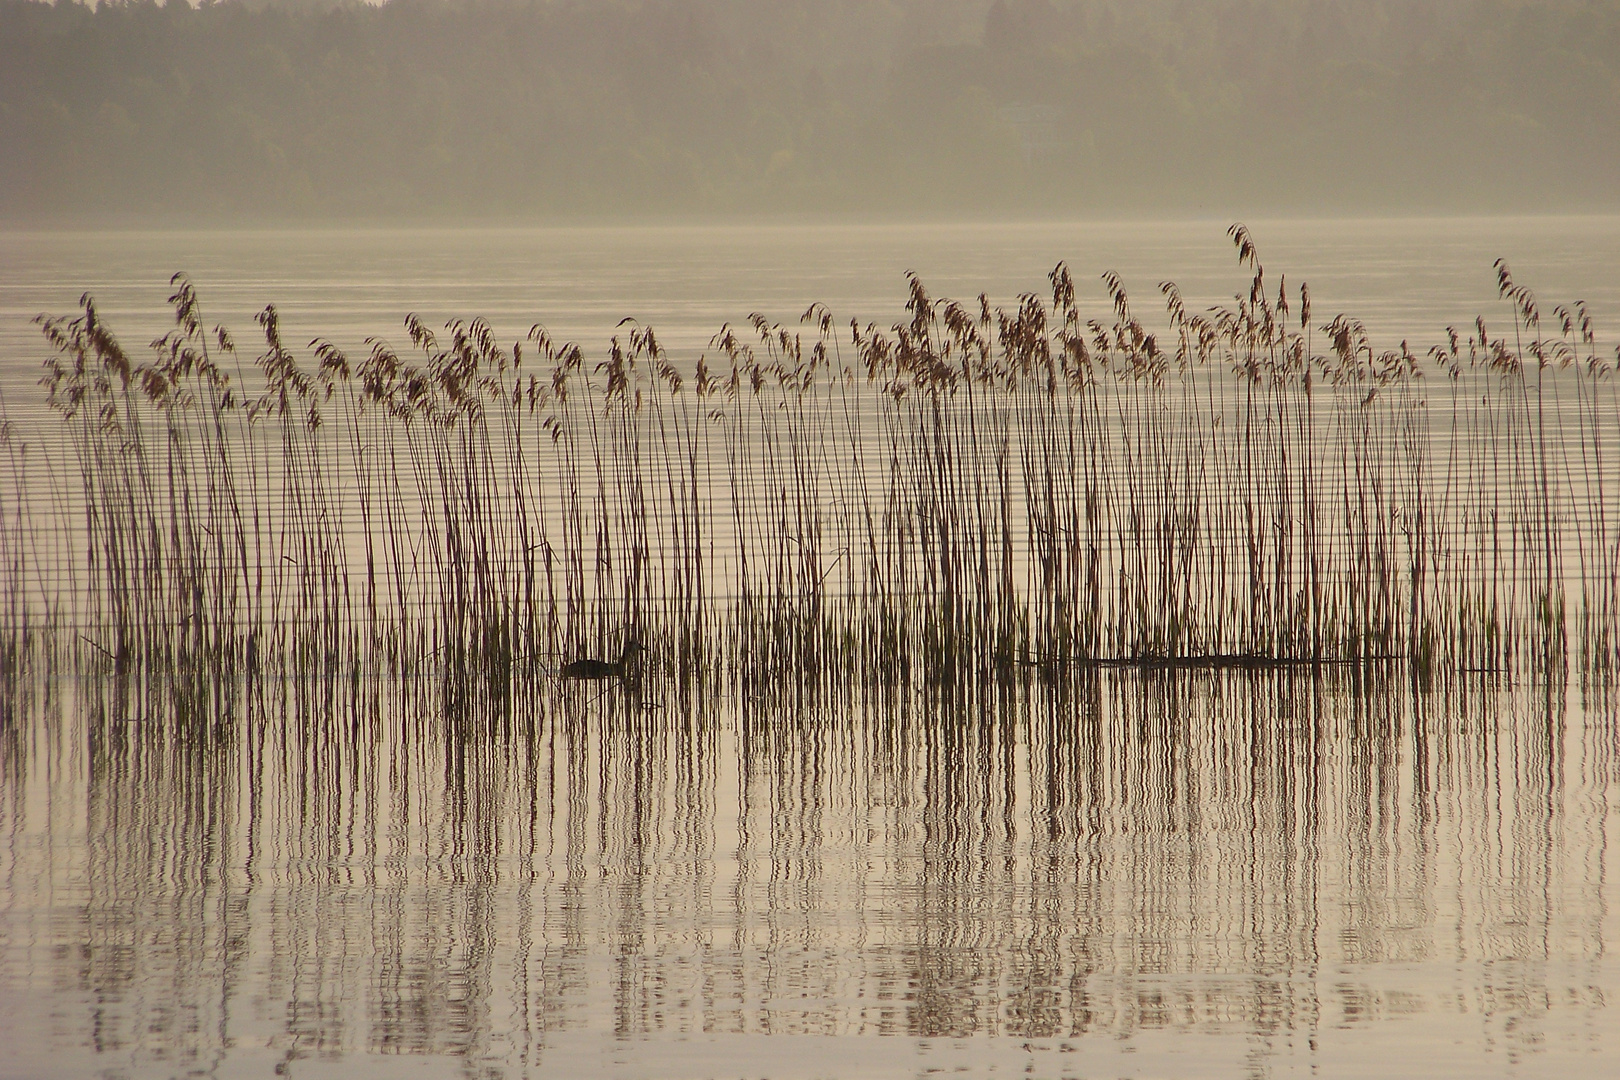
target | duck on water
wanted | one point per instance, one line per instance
(589, 668)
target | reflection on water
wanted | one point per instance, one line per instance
(1250, 873)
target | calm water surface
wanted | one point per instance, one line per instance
(1137, 876)
(1132, 876)
(1404, 279)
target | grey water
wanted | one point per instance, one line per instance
(1195, 874)
(1406, 279)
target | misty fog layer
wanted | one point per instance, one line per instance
(421, 108)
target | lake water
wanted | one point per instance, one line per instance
(1152, 876)
(1196, 874)
(1404, 279)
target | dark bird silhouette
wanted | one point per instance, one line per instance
(590, 668)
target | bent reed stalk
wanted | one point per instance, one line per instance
(970, 496)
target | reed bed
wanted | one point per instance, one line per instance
(970, 496)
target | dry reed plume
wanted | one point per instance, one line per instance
(970, 496)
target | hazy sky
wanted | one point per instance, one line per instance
(330, 109)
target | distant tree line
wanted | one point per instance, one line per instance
(549, 108)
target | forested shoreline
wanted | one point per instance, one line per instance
(517, 108)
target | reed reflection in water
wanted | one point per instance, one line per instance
(1132, 873)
